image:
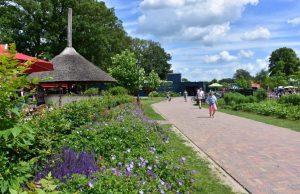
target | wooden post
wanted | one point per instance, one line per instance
(70, 27)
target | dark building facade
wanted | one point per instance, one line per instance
(178, 86)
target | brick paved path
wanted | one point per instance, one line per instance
(263, 158)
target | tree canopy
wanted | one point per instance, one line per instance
(126, 71)
(152, 56)
(242, 74)
(283, 60)
(40, 26)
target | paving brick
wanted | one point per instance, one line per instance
(263, 158)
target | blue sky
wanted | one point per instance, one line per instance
(213, 38)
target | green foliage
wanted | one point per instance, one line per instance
(260, 94)
(292, 99)
(43, 25)
(91, 92)
(118, 90)
(271, 108)
(233, 98)
(153, 81)
(12, 79)
(283, 60)
(154, 94)
(151, 57)
(243, 83)
(46, 185)
(126, 71)
(261, 77)
(276, 80)
(242, 74)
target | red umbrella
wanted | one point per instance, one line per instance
(37, 64)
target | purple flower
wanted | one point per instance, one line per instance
(91, 184)
(152, 149)
(161, 182)
(162, 191)
(131, 164)
(168, 186)
(120, 163)
(149, 172)
(192, 180)
(180, 182)
(182, 160)
(141, 192)
(113, 157)
(149, 167)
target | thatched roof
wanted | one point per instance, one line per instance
(70, 66)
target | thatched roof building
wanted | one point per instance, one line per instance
(70, 67)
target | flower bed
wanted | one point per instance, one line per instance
(91, 147)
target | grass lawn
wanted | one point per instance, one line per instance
(294, 125)
(148, 110)
(205, 179)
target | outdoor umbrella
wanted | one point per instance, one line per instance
(215, 85)
(37, 65)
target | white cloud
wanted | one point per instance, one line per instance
(246, 53)
(257, 34)
(223, 56)
(252, 68)
(158, 4)
(203, 20)
(295, 21)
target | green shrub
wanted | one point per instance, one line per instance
(260, 94)
(233, 98)
(154, 94)
(293, 99)
(91, 92)
(118, 90)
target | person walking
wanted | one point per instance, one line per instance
(201, 97)
(212, 104)
(185, 95)
(168, 96)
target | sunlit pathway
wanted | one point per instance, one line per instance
(263, 158)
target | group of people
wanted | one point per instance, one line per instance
(200, 96)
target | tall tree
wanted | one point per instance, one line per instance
(126, 71)
(261, 77)
(152, 56)
(283, 60)
(242, 74)
(39, 26)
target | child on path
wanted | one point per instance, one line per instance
(212, 104)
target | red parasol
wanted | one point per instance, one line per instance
(37, 64)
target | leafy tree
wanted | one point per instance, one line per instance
(40, 26)
(295, 78)
(153, 81)
(242, 74)
(127, 72)
(185, 80)
(243, 82)
(276, 80)
(226, 80)
(261, 77)
(283, 60)
(213, 81)
(152, 56)
(12, 79)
